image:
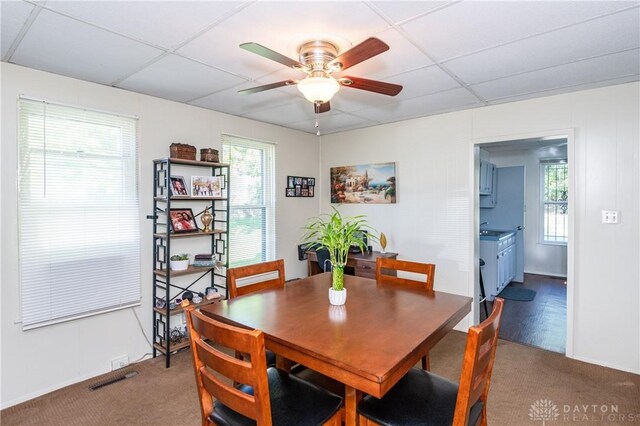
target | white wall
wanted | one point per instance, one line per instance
(435, 218)
(44, 359)
(543, 259)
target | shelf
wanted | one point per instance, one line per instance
(174, 347)
(191, 162)
(189, 234)
(189, 198)
(190, 270)
(179, 309)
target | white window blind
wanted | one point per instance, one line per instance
(555, 201)
(79, 239)
(252, 200)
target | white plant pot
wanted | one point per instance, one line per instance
(337, 297)
(179, 265)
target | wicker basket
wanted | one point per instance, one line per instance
(209, 154)
(182, 151)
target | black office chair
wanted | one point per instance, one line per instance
(324, 259)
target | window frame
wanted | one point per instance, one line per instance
(31, 201)
(268, 205)
(544, 162)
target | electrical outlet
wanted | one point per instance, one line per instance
(119, 362)
(609, 216)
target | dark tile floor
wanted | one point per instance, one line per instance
(542, 322)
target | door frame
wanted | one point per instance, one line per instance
(474, 158)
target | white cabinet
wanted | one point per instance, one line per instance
(486, 177)
(500, 263)
(490, 200)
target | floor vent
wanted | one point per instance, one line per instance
(112, 380)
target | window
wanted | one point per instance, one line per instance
(79, 238)
(252, 202)
(554, 191)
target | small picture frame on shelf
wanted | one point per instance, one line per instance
(182, 220)
(206, 186)
(178, 186)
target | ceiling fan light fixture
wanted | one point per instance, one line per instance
(318, 89)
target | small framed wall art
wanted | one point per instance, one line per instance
(298, 186)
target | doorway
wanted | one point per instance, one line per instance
(524, 216)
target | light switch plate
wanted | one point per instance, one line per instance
(609, 216)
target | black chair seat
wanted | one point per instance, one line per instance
(419, 398)
(294, 402)
(271, 358)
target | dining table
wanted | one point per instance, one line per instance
(367, 344)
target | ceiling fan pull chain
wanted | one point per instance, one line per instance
(317, 111)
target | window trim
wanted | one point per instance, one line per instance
(269, 196)
(543, 203)
(135, 173)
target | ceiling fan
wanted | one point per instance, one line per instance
(319, 59)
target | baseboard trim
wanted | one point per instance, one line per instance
(604, 364)
(546, 274)
(31, 395)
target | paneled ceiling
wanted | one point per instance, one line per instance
(448, 55)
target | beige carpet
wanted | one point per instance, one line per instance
(522, 376)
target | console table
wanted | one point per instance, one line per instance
(359, 264)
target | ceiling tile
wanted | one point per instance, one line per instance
(424, 81)
(178, 79)
(398, 11)
(232, 102)
(601, 36)
(558, 91)
(421, 106)
(162, 23)
(401, 56)
(67, 47)
(291, 112)
(467, 27)
(13, 15)
(279, 26)
(332, 124)
(583, 72)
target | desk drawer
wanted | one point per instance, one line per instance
(365, 269)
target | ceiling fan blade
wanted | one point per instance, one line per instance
(323, 107)
(388, 89)
(361, 52)
(259, 49)
(268, 87)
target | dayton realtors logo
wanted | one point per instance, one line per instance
(543, 410)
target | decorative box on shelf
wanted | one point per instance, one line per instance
(182, 151)
(209, 154)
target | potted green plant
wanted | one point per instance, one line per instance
(179, 262)
(337, 234)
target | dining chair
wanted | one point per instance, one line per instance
(429, 269)
(424, 398)
(261, 278)
(260, 275)
(324, 259)
(265, 395)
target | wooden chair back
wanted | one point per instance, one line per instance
(384, 263)
(235, 274)
(205, 331)
(477, 365)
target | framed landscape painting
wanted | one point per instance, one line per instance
(364, 184)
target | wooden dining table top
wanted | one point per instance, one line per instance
(368, 344)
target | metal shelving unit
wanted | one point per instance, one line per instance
(164, 286)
